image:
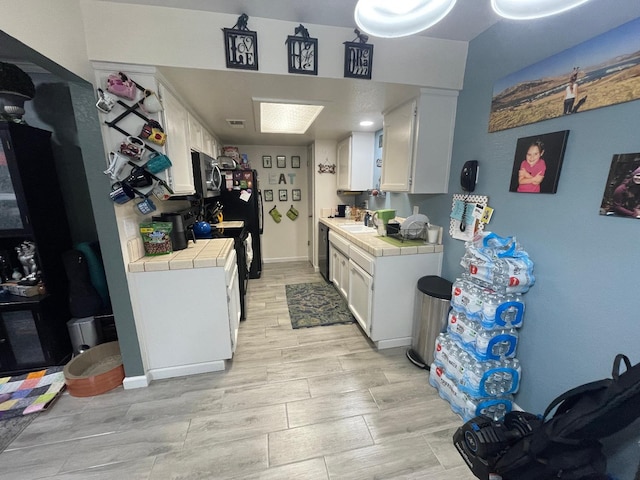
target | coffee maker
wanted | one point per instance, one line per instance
(182, 230)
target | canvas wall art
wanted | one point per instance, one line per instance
(537, 163)
(621, 196)
(600, 72)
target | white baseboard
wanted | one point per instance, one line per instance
(140, 381)
(393, 342)
(285, 259)
(185, 370)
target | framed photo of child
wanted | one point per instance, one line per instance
(537, 163)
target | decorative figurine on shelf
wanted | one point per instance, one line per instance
(26, 255)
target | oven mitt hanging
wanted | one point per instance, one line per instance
(292, 213)
(275, 214)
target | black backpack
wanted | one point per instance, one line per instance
(565, 445)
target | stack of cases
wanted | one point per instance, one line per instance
(475, 366)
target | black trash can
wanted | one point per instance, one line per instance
(433, 303)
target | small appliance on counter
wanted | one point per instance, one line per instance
(182, 231)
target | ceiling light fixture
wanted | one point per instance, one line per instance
(282, 117)
(399, 18)
(528, 10)
(366, 123)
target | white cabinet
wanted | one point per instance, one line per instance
(339, 270)
(355, 162)
(382, 290)
(233, 298)
(339, 263)
(207, 144)
(194, 329)
(360, 298)
(417, 143)
(195, 134)
(177, 145)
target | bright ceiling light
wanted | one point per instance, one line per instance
(292, 118)
(530, 9)
(399, 18)
(366, 123)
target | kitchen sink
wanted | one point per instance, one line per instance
(357, 228)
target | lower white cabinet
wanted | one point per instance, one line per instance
(233, 298)
(360, 295)
(381, 291)
(187, 319)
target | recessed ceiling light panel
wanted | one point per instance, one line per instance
(399, 18)
(530, 9)
(287, 117)
(366, 123)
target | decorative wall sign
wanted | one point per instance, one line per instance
(326, 168)
(358, 57)
(302, 52)
(282, 161)
(537, 163)
(296, 194)
(622, 191)
(608, 74)
(295, 161)
(268, 195)
(282, 195)
(241, 45)
(266, 161)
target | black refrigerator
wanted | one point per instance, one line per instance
(241, 200)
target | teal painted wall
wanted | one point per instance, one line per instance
(583, 309)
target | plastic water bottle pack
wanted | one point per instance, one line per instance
(480, 343)
(476, 378)
(499, 263)
(482, 304)
(463, 404)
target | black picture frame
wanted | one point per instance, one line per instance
(281, 161)
(302, 55)
(553, 146)
(620, 198)
(268, 195)
(266, 161)
(295, 161)
(358, 60)
(282, 195)
(241, 49)
(296, 194)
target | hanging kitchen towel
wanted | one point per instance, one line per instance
(275, 214)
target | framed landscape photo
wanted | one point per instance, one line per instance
(282, 161)
(268, 195)
(282, 195)
(266, 161)
(537, 163)
(295, 161)
(296, 194)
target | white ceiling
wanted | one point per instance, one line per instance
(216, 96)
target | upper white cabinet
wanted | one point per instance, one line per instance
(417, 143)
(355, 161)
(195, 134)
(207, 143)
(177, 145)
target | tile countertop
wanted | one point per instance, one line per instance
(373, 244)
(201, 254)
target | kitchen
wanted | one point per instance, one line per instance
(595, 136)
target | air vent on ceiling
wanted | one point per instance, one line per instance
(235, 123)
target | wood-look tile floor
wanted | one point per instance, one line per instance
(309, 404)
